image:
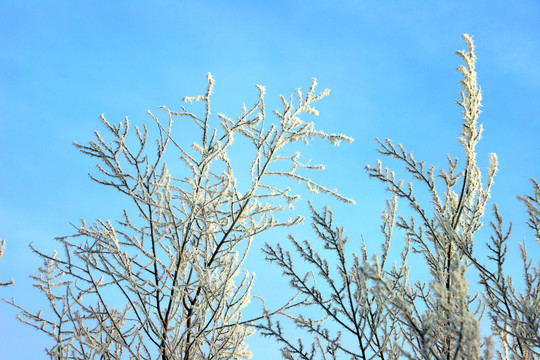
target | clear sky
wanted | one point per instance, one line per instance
(390, 66)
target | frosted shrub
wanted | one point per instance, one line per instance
(166, 280)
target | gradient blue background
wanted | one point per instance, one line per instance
(390, 66)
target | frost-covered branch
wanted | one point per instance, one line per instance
(174, 260)
(2, 245)
(386, 314)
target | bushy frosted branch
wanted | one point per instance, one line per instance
(174, 260)
(390, 316)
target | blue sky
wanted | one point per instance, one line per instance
(390, 66)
